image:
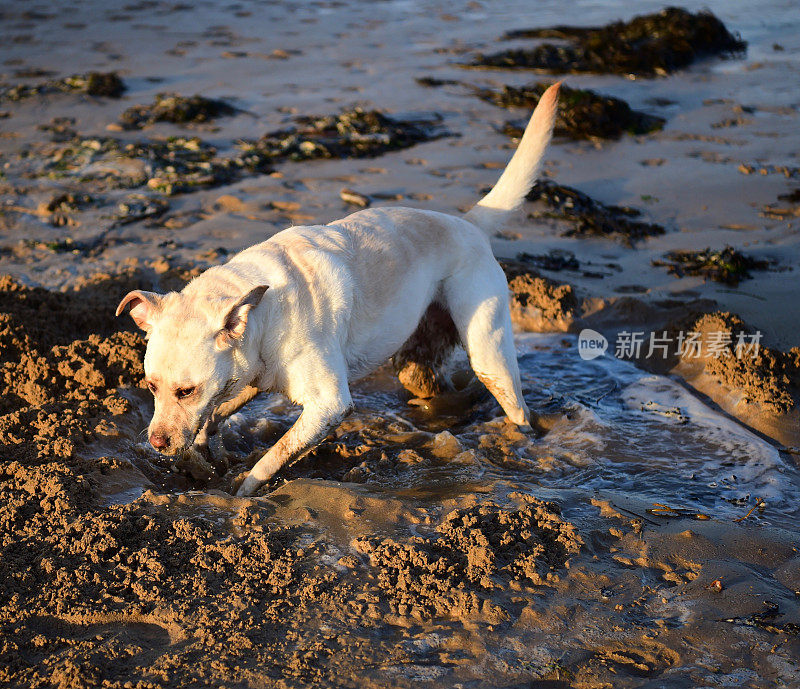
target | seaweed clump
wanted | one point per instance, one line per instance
(352, 134)
(172, 107)
(590, 217)
(107, 84)
(183, 164)
(582, 114)
(765, 620)
(647, 45)
(721, 265)
(170, 166)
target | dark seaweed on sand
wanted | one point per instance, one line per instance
(106, 84)
(590, 217)
(721, 265)
(180, 164)
(582, 114)
(172, 107)
(765, 620)
(647, 45)
(183, 164)
(555, 260)
(352, 134)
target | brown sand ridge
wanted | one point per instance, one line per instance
(62, 363)
(760, 387)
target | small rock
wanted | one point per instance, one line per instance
(354, 198)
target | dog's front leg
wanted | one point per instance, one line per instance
(310, 428)
(222, 412)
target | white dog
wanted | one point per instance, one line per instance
(313, 308)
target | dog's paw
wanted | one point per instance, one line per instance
(249, 486)
(217, 453)
(193, 463)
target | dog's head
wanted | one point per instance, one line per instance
(191, 364)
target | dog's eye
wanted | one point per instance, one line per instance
(151, 387)
(181, 393)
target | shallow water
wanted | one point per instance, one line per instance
(620, 432)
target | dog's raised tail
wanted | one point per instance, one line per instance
(521, 173)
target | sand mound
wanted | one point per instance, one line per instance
(539, 304)
(757, 384)
(62, 365)
(768, 378)
(475, 551)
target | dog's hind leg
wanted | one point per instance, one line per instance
(421, 362)
(477, 299)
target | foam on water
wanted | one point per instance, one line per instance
(638, 435)
(650, 437)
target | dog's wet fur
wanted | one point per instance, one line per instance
(316, 307)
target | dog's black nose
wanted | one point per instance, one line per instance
(159, 441)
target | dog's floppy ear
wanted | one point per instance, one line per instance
(236, 319)
(143, 306)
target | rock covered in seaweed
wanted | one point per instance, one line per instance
(172, 107)
(590, 217)
(647, 45)
(107, 84)
(181, 164)
(726, 265)
(351, 134)
(582, 114)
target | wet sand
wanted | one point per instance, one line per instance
(648, 539)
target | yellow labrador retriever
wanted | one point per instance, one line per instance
(314, 308)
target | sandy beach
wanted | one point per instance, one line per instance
(647, 539)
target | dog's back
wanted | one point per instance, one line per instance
(375, 273)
